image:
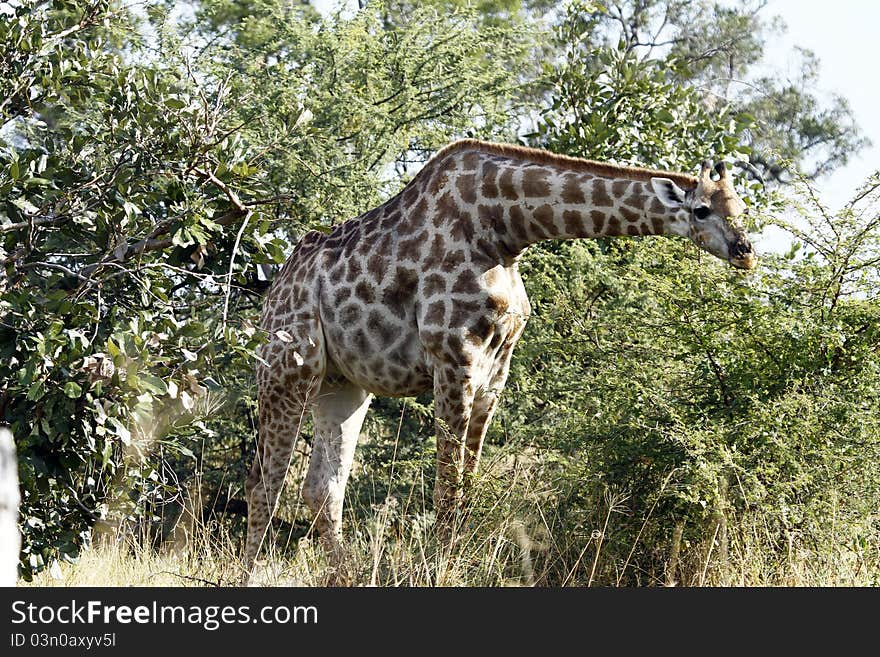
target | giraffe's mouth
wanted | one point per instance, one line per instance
(745, 262)
(741, 255)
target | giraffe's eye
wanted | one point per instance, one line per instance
(702, 212)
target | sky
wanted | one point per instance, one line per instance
(842, 34)
(844, 39)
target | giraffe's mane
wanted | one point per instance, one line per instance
(539, 156)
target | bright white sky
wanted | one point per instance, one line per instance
(844, 35)
(845, 40)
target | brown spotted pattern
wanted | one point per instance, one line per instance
(422, 293)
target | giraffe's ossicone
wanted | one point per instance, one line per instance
(423, 293)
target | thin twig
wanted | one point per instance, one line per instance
(217, 584)
(61, 268)
(231, 263)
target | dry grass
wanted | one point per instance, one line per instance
(498, 560)
(520, 531)
(514, 538)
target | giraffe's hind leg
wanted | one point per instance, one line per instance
(338, 412)
(287, 385)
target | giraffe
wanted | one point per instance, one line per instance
(423, 293)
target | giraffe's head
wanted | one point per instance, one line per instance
(708, 215)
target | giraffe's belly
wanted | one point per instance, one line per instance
(378, 353)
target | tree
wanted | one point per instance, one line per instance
(147, 185)
(718, 48)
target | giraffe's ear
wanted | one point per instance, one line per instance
(670, 194)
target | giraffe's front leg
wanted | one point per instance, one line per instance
(485, 403)
(453, 403)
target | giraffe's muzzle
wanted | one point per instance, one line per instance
(742, 255)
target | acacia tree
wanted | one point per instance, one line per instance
(718, 48)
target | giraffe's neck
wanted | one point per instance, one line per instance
(519, 202)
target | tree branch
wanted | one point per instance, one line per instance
(39, 221)
(233, 197)
(56, 267)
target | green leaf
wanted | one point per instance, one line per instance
(120, 430)
(243, 169)
(212, 384)
(153, 384)
(182, 237)
(35, 391)
(107, 453)
(72, 389)
(130, 209)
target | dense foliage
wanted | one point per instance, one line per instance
(671, 415)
